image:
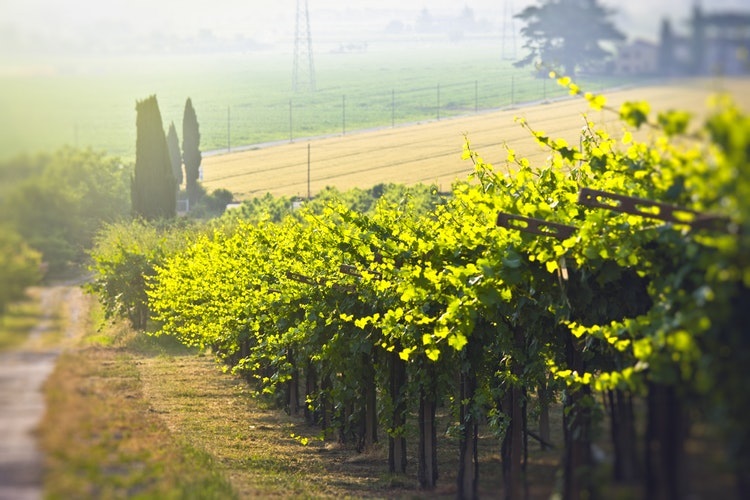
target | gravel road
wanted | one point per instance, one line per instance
(22, 375)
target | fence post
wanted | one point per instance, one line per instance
(476, 96)
(308, 172)
(393, 108)
(438, 102)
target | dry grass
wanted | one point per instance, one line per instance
(133, 416)
(251, 442)
(102, 439)
(38, 321)
(430, 152)
(17, 321)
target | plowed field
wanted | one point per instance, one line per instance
(430, 152)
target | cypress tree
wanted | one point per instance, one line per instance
(153, 190)
(191, 153)
(173, 143)
(666, 48)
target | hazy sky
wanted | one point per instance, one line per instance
(76, 23)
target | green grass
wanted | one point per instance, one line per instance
(144, 417)
(91, 102)
(17, 321)
(103, 439)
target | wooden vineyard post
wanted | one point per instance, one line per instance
(326, 406)
(397, 389)
(667, 420)
(369, 402)
(472, 357)
(513, 446)
(468, 465)
(322, 414)
(577, 415)
(577, 418)
(293, 385)
(427, 470)
(312, 415)
(368, 386)
(622, 416)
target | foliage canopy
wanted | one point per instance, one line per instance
(191, 153)
(173, 144)
(58, 201)
(567, 34)
(626, 304)
(153, 186)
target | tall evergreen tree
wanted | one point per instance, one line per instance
(153, 188)
(191, 153)
(567, 34)
(173, 144)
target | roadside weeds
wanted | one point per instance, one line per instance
(101, 440)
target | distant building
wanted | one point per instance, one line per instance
(718, 43)
(637, 58)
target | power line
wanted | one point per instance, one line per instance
(509, 33)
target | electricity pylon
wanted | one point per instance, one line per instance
(304, 76)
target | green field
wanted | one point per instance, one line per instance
(431, 152)
(245, 99)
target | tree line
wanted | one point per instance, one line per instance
(158, 172)
(52, 205)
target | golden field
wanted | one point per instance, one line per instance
(430, 152)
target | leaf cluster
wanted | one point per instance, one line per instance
(57, 202)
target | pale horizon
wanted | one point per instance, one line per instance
(48, 28)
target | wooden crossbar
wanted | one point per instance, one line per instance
(535, 226)
(652, 209)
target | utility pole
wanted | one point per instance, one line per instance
(302, 76)
(309, 195)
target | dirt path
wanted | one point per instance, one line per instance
(22, 375)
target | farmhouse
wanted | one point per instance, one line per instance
(637, 58)
(718, 43)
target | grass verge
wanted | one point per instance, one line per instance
(16, 323)
(131, 416)
(103, 439)
(252, 442)
(37, 321)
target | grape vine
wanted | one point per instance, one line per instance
(519, 285)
